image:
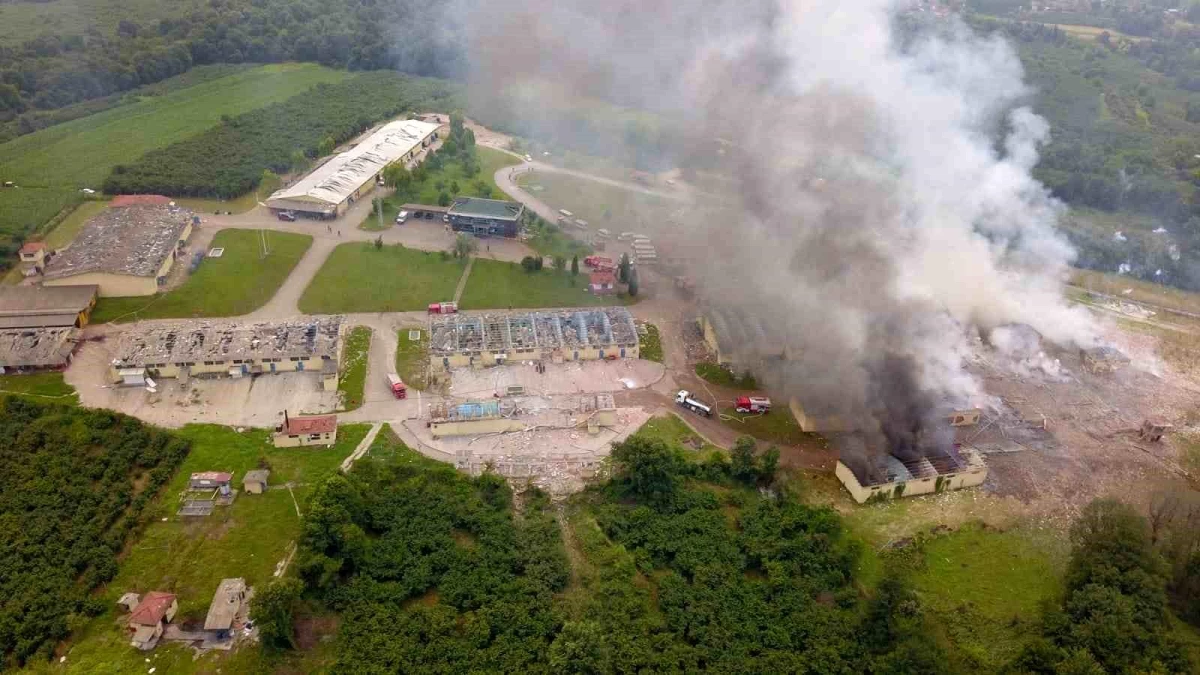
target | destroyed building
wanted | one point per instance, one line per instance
(33, 349)
(473, 418)
(480, 340)
(125, 250)
(228, 348)
(889, 476)
(1101, 360)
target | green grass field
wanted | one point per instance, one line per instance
(779, 426)
(412, 360)
(614, 208)
(650, 344)
(496, 285)
(238, 282)
(189, 558)
(720, 376)
(671, 429)
(358, 278)
(354, 367)
(45, 387)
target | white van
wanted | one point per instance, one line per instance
(401, 217)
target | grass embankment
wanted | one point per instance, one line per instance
(354, 367)
(45, 387)
(68, 228)
(777, 426)
(650, 344)
(671, 429)
(190, 557)
(412, 359)
(443, 180)
(357, 277)
(238, 282)
(722, 377)
(495, 285)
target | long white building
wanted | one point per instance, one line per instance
(330, 189)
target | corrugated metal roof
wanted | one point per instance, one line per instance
(337, 179)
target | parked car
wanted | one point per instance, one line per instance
(289, 216)
(401, 217)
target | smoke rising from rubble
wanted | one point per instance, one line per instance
(876, 217)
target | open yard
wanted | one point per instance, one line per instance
(357, 277)
(412, 359)
(238, 282)
(722, 377)
(354, 367)
(499, 285)
(778, 426)
(190, 557)
(601, 205)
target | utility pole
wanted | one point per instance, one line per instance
(262, 235)
(379, 211)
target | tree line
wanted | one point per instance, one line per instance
(77, 483)
(229, 159)
(51, 71)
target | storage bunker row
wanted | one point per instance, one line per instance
(460, 340)
(228, 348)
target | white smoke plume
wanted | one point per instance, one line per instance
(883, 200)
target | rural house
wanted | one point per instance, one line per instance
(33, 257)
(148, 619)
(306, 430)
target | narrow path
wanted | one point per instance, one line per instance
(462, 281)
(362, 448)
(285, 303)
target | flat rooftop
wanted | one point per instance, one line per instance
(44, 306)
(485, 208)
(559, 329)
(36, 347)
(132, 240)
(191, 342)
(336, 179)
(225, 604)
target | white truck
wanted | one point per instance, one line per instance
(684, 399)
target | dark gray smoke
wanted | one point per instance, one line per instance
(881, 204)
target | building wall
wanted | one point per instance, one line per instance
(710, 339)
(473, 427)
(253, 487)
(111, 285)
(282, 440)
(972, 476)
(487, 359)
(495, 226)
(222, 368)
(813, 423)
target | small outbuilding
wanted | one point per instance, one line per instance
(255, 482)
(149, 618)
(210, 480)
(34, 255)
(226, 606)
(306, 430)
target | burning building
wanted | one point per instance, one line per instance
(875, 475)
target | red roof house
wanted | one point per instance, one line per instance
(33, 247)
(139, 200)
(306, 430)
(602, 283)
(155, 607)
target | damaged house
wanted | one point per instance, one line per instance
(460, 340)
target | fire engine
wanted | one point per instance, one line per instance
(752, 404)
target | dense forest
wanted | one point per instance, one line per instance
(51, 71)
(76, 486)
(228, 160)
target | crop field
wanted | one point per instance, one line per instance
(358, 278)
(190, 557)
(238, 282)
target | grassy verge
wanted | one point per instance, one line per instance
(1139, 291)
(190, 557)
(494, 285)
(722, 377)
(46, 387)
(412, 359)
(614, 208)
(357, 277)
(650, 344)
(671, 429)
(779, 426)
(65, 232)
(238, 282)
(240, 204)
(354, 367)
(549, 240)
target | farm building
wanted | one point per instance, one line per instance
(305, 430)
(47, 306)
(331, 188)
(147, 620)
(33, 257)
(187, 349)
(486, 217)
(255, 481)
(32, 349)
(210, 480)
(890, 477)
(459, 340)
(124, 251)
(227, 606)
